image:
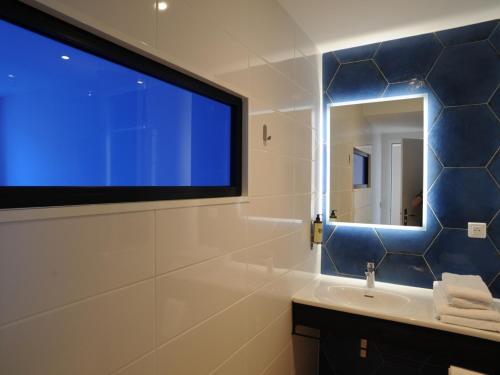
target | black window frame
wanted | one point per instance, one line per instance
(47, 25)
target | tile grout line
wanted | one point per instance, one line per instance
(220, 256)
(243, 347)
(133, 362)
(443, 48)
(430, 268)
(275, 359)
(213, 315)
(153, 278)
(46, 312)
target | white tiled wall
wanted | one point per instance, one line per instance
(195, 290)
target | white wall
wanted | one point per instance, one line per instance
(329, 22)
(166, 288)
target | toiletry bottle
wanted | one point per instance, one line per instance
(317, 230)
(333, 216)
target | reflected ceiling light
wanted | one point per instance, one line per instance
(140, 82)
(64, 57)
(11, 75)
(162, 5)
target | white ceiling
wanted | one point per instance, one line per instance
(337, 24)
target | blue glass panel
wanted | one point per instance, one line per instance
(69, 118)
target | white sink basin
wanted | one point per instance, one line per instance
(365, 298)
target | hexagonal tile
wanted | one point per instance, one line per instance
(356, 53)
(327, 231)
(495, 38)
(416, 87)
(434, 167)
(405, 269)
(495, 287)
(354, 81)
(494, 231)
(495, 103)
(461, 195)
(330, 66)
(454, 252)
(327, 266)
(465, 136)
(352, 247)
(494, 167)
(466, 74)
(410, 241)
(465, 34)
(408, 58)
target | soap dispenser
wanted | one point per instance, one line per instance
(317, 230)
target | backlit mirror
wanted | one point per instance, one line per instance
(376, 162)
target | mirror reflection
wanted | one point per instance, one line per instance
(377, 162)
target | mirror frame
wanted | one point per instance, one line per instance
(326, 160)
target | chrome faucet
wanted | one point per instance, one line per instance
(370, 275)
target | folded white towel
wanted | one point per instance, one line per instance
(467, 304)
(469, 287)
(486, 325)
(443, 308)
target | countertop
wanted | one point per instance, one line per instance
(419, 311)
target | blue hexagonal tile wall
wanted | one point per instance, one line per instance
(327, 266)
(465, 34)
(351, 248)
(495, 103)
(405, 269)
(408, 58)
(494, 167)
(466, 74)
(454, 252)
(494, 231)
(461, 195)
(357, 53)
(495, 38)
(472, 136)
(327, 232)
(495, 287)
(330, 66)
(410, 241)
(434, 167)
(461, 69)
(354, 81)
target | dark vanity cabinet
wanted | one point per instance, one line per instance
(357, 345)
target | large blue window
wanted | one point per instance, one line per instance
(85, 118)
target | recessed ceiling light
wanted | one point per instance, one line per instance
(64, 57)
(162, 5)
(140, 82)
(11, 75)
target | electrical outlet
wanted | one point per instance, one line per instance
(476, 230)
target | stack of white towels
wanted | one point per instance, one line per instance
(465, 300)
